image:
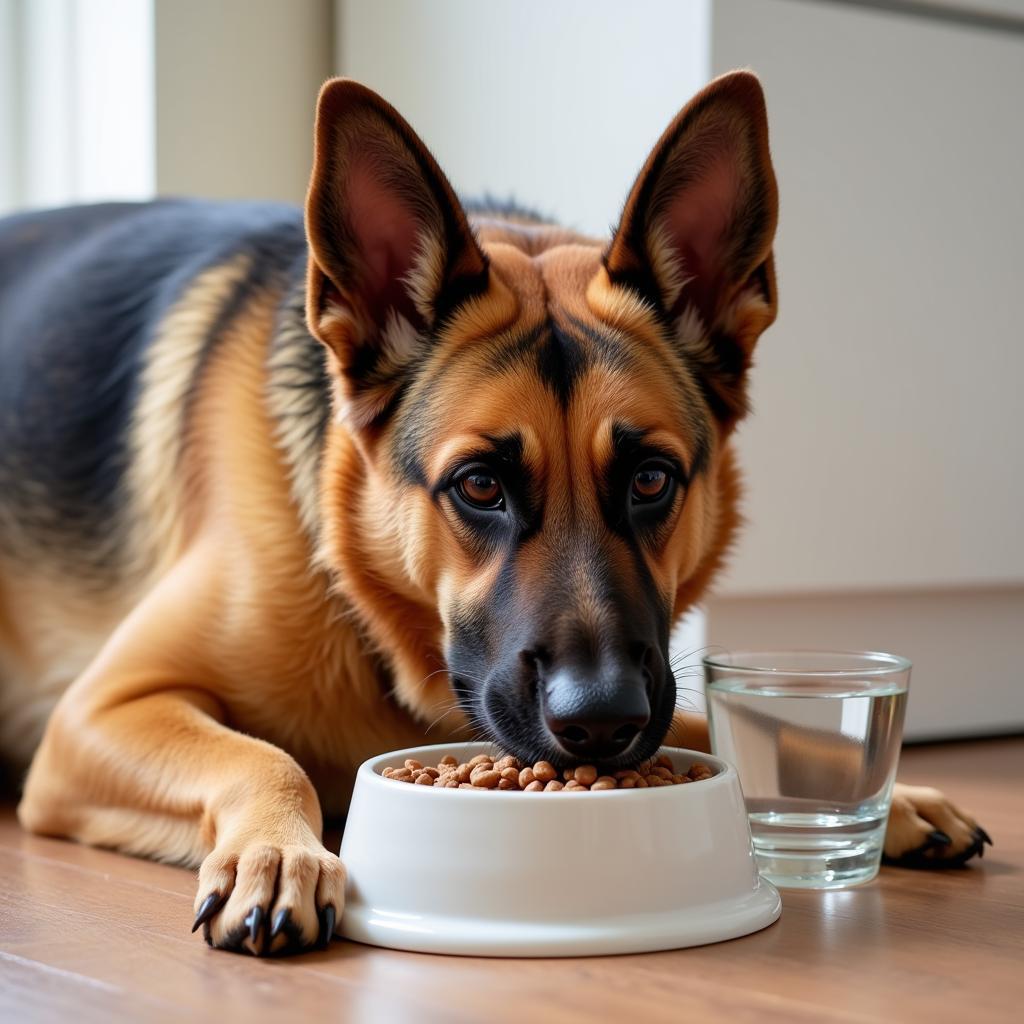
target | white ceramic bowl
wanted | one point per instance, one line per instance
(489, 873)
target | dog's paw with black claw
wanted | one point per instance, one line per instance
(269, 898)
(926, 830)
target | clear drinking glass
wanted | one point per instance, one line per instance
(815, 737)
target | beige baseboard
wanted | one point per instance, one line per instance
(966, 646)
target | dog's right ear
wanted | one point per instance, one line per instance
(391, 252)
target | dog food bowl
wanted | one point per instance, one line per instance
(494, 873)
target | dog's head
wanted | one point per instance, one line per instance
(527, 479)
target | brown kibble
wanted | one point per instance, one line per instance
(507, 773)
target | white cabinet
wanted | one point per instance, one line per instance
(886, 446)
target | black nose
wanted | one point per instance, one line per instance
(596, 716)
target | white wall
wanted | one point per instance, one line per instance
(556, 104)
(236, 87)
(76, 101)
(10, 111)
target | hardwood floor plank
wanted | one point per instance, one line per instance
(34, 993)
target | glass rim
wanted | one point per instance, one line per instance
(877, 664)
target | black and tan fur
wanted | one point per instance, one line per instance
(234, 559)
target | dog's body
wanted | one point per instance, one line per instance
(231, 568)
(182, 399)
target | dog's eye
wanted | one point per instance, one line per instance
(650, 482)
(481, 490)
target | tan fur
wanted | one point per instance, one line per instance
(155, 482)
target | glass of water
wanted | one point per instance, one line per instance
(815, 737)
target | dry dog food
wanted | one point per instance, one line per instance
(486, 772)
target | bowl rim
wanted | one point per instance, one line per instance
(368, 774)
(877, 663)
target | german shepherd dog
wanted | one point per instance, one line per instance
(276, 497)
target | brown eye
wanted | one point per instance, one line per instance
(650, 483)
(481, 490)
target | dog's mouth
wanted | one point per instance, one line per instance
(514, 723)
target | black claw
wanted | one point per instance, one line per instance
(938, 838)
(985, 837)
(280, 920)
(207, 909)
(978, 846)
(327, 919)
(920, 858)
(253, 922)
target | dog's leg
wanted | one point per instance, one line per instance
(137, 757)
(690, 729)
(926, 830)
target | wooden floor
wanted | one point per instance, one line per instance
(91, 936)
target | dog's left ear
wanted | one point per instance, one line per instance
(696, 233)
(391, 251)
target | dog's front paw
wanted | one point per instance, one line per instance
(927, 831)
(265, 896)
